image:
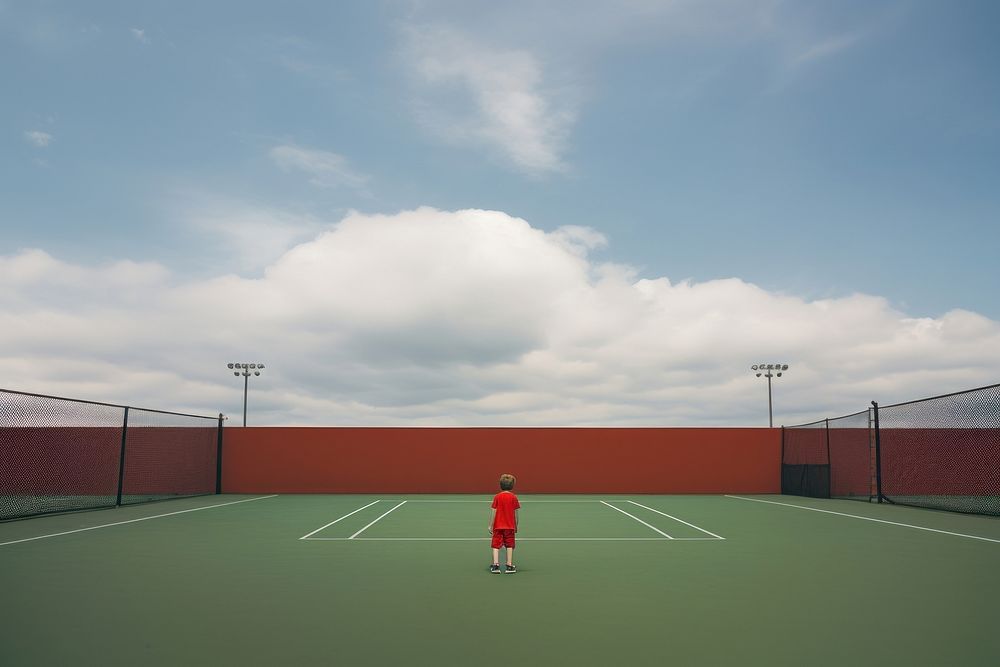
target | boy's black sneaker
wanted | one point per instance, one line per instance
(511, 569)
(495, 569)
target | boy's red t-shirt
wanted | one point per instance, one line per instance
(505, 503)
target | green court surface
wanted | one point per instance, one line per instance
(609, 580)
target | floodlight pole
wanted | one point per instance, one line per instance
(769, 371)
(770, 413)
(240, 368)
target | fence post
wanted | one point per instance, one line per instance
(218, 459)
(827, 423)
(121, 459)
(829, 462)
(878, 456)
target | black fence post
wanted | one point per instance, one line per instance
(781, 464)
(878, 456)
(827, 428)
(121, 459)
(829, 462)
(218, 459)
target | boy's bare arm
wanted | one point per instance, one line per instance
(517, 515)
(493, 517)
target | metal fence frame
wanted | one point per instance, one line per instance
(811, 470)
(123, 427)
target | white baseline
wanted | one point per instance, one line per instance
(520, 539)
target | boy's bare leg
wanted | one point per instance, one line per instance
(496, 556)
(510, 555)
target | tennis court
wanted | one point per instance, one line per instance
(403, 579)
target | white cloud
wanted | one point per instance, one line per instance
(579, 240)
(140, 35)
(502, 104)
(35, 267)
(486, 72)
(252, 236)
(468, 317)
(325, 169)
(38, 138)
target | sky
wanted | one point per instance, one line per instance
(476, 213)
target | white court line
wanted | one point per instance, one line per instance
(867, 518)
(145, 518)
(375, 521)
(676, 519)
(336, 520)
(529, 500)
(637, 519)
(520, 539)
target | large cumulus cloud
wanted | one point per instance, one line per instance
(467, 317)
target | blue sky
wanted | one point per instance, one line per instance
(828, 155)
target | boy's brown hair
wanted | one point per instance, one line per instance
(506, 482)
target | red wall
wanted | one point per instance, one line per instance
(469, 460)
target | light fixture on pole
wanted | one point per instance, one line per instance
(769, 371)
(246, 370)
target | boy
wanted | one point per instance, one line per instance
(503, 523)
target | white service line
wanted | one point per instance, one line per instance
(676, 519)
(866, 518)
(637, 519)
(145, 518)
(304, 537)
(375, 521)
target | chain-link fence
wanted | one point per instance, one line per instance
(168, 454)
(805, 460)
(852, 456)
(59, 454)
(941, 453)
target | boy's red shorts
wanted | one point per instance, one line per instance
(503, 537)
